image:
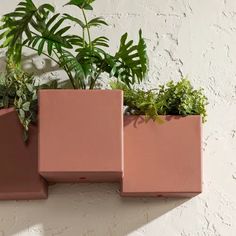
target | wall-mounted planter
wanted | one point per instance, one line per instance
(19, 178)
(162, 159)
(81, 135)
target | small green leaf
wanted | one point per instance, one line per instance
(19, 103)
(74, 19)
(26, 106)
(41, 45)
(30, 87)
(98, 21)
(22, 114)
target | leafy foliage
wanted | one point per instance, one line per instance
(181, 98)
(170, 99)
(129, 64)
(83, 58)
(132, 60)
(17, 24)
(50, 35)
(18, 89)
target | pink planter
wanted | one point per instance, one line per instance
(81, 133)
(162, 159)
(19, 178)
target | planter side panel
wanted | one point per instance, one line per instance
(81, 135)
(162, 159)
(19, 178)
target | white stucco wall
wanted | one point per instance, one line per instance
(185, 37)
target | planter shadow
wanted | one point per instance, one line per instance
(137, 120)
(32, 68)
(84, 209)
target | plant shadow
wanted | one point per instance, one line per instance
(33, 64)
(137, 120)
(83, 209)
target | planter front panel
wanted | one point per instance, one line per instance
(19, 178)
(80, 138)
(162, 159)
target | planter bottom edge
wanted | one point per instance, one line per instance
(81, 177)
(160, 194)
(15, 196)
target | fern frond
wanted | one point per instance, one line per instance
(100, 42)
(98, 21)
(74, 20)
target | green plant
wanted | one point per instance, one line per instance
(18, 89)
(82, 57)
(170, 99)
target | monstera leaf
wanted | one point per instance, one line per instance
(132, 60)
(18, 22)
(83, 57)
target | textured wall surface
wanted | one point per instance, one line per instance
(196, 38)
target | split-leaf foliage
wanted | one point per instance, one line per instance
(19, 89)
(82, 57)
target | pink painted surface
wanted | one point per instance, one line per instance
(81, 135)
(19, 178)
(162, 159)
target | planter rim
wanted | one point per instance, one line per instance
(6, 110)
(179, 116)
(81, 90)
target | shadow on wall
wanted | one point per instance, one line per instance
(82, 209)
(33, 64)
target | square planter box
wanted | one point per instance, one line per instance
(19, 178)
(162, 159)
(80, 135)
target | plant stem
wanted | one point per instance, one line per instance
(83, 39)
(87, 28)
(70, 76)
(93, 83)
(67, 71)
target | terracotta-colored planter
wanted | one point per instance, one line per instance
(19, 178)
(81, 135)
(162, 159)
